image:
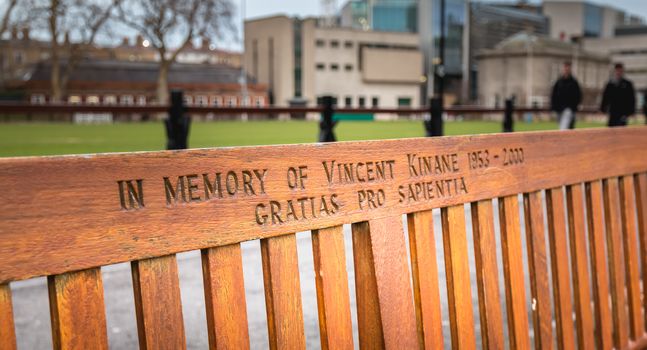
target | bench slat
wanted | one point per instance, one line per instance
(581, 286)
(458, 277)
(392, 279)
(283, 292)
(538, 266)
(333, 298)
(157, 303)
(616, 262)
(630, 244)
(7, 328)
(559, 264)
(513, 272)
(224, 292)
(597, 248)
(426, 291)
(77, 310)
(487, 275)
(640, 181)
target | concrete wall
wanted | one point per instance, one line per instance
(630, 50)
(565, 17)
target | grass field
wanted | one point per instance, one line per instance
(53, 138)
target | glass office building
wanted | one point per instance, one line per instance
(394, 15)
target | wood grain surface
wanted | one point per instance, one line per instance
(333, 298)
(600, 275)
(640, 181)
(283, 292)
(67, 213)
(158, 305)
(77, 310)
(487, 275)
(224, 292)
(426, 289)
(459, 293)
(538, 265)
(7, 329)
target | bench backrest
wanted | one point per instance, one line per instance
(65, 217)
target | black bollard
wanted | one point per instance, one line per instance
(434, 124)
(508, 120)
(326, 125)
(177, 124)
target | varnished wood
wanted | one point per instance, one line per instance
(333, 299)
(42, 216)
(487, 275)
(426, 289)
(640, 181)
(282, 292)
(630, 245)
(600, 275)
(158, 305)
(369, 323)
(580, 269)
(616, 262)
(77, 310)
(224, 292)
(7, 329)
(458, 278)
(392, 285)
(515, 291)
(538, 266)
(559, 264)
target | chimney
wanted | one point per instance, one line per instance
(205, 43)
(140, 41)
(14, 32)
(25, 33)
(125, 41)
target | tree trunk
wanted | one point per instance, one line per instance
(162, 83)
(56, 93)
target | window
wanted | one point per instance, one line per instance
(320, 43)
(334, 66)
(126, 100)
(92, 99)
(37, 98)
(259, 101)
(201, 100)
(110, 99)
(404, 101)
(348, 67)
(231, 101)
(141, 100)
(348, 44)
(188, 100)
(247, 101)
(74, 99)
(334, 43)
(375, 101)
(362, 102)
(216, 101)
(17, 57)
(348, 101)
(321, 66)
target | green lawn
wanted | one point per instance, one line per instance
(57, 138)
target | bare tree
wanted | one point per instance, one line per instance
(163, 22)
(6, 17)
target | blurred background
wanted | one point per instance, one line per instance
(369, 56)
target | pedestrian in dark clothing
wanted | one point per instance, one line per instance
(619, 98)
(566, 98)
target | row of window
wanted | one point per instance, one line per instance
(334, 66)
(199, 100)
(348, 101)
(334, 43)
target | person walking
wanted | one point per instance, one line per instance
(619, 98)
(566, 97)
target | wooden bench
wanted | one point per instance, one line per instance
(65, 217)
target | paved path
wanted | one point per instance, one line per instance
(31, 306)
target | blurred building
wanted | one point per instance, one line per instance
(491, 23)
(526, 66)
(122, 82)
(300, 62)
(571, 20)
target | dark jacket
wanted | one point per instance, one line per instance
(566, 94)
(619, 98)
